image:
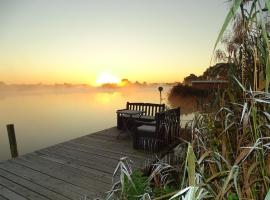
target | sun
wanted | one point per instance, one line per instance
(107, 78)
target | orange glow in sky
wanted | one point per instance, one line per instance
(76, 41)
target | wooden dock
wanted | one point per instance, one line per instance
(70, 170)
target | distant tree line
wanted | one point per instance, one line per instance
(186, 91)
(220, 71)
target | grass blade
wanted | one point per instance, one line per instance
(191, 166)
(267, 4)
(229, 17)
(266, 40)
(267, 196)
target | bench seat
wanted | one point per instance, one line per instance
(140, 117)
(150, 110)
(147, 129)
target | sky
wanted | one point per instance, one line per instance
(76, 41)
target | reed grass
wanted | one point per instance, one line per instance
(229, 154)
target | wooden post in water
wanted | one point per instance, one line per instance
(12, 140)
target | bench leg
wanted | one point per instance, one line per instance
(119, 122)
(135, 140)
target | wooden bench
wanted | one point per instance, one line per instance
(163, 134)
(150, 111)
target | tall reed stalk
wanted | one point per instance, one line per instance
(229, 154)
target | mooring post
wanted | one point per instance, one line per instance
(12, 140)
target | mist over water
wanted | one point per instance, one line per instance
(44, 117)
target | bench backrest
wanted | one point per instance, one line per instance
(150, 109)
(168, 125)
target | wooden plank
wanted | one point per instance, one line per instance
(113, 148)
(98, 150)
(66, 189)
(31, 186)
(2, 197)
(77, 161)
(53, 168)
(95, 157)
(110, 132)
(97, 153)
(101, 160)
(123, 142)
(69, 166)
(124, 148)
(20, 190)
(110, 144)
(105, 153)
(104, 137)
(70, 162)
(89, 164)
(99, 164)
(106, 144)
(10, 195)
(92, 187)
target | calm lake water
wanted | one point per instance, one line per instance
(47, 117)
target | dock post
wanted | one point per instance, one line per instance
(12, 140)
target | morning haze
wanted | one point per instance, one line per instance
(78, 41)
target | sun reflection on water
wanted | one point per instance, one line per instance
(105, 97)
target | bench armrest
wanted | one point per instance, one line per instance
(119, 110)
